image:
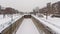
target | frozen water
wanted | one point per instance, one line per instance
(27, 27)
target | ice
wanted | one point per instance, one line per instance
(27, 27)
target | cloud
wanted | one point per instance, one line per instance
(25, 5)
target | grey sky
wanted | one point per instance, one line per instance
(25, 5)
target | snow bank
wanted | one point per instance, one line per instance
(6, 21)
(52, 23)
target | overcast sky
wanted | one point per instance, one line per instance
(25, 5)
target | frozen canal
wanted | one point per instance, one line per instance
(27, 27)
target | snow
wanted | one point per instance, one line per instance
(55, 21)
(27, 27)
(52, 23)
(3, 20)
(6, 21)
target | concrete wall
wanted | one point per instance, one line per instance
(13, 27)
(42, 28)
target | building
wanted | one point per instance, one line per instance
(43, 10)
(56, 7)
(0, 7)
(51, 8)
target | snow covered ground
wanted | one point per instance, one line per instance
(53, 23)
(27, 27)
(7, 20)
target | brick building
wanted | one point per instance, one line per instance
(51, 8)
(43, 10)
(56, 7)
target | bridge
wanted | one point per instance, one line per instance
(14, 27)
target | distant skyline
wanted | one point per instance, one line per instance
(25, 5)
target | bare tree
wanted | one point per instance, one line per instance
(48, 9)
